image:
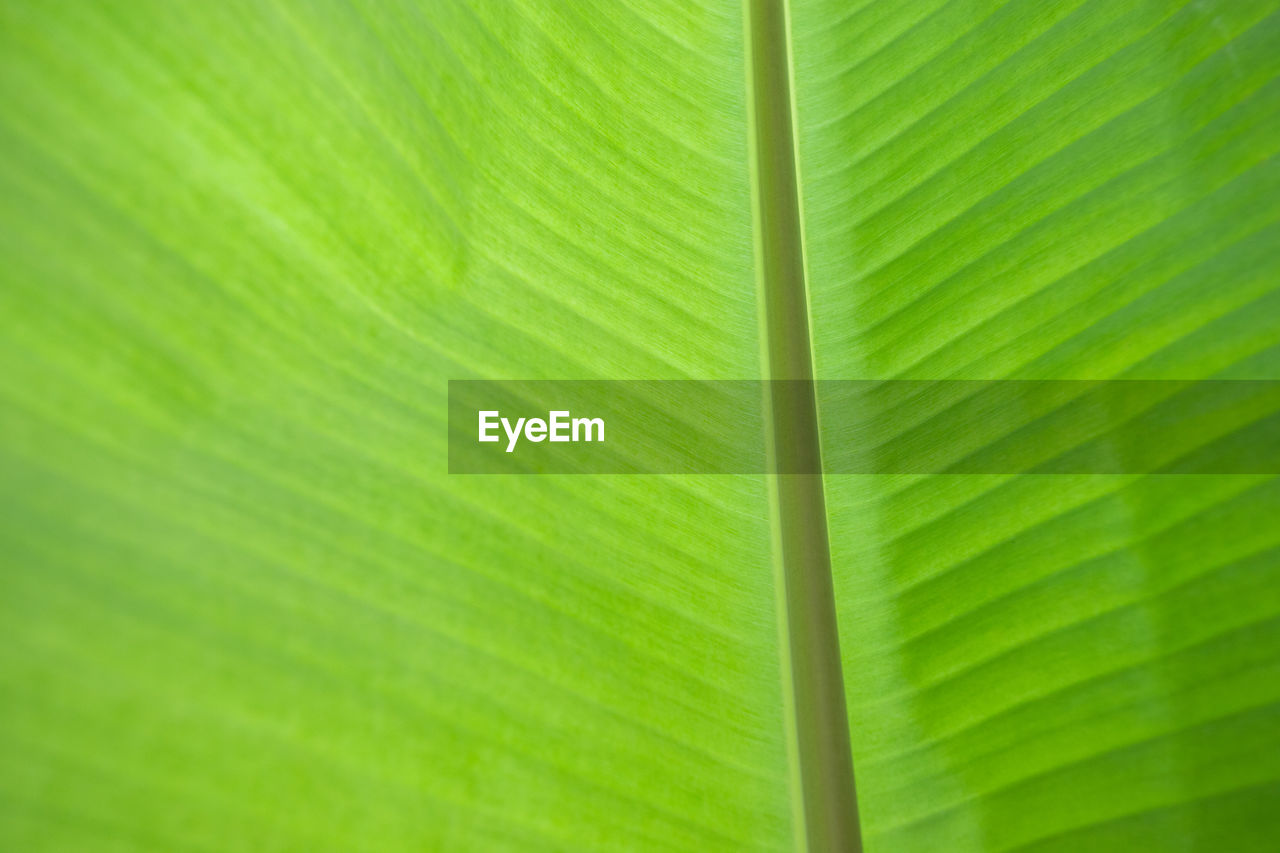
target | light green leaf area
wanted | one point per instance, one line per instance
(244, 244)
(242, 605)
(1031, 190)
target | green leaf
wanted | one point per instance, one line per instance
(244, 606)
(245, 244)
(1050, 191)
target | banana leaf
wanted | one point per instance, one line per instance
(247, 244)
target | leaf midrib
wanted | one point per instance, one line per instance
(821, 736)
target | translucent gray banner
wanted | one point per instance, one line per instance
(867, 427)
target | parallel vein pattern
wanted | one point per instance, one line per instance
(1051, 190)
(241, 605)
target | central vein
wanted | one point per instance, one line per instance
(822, 730)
